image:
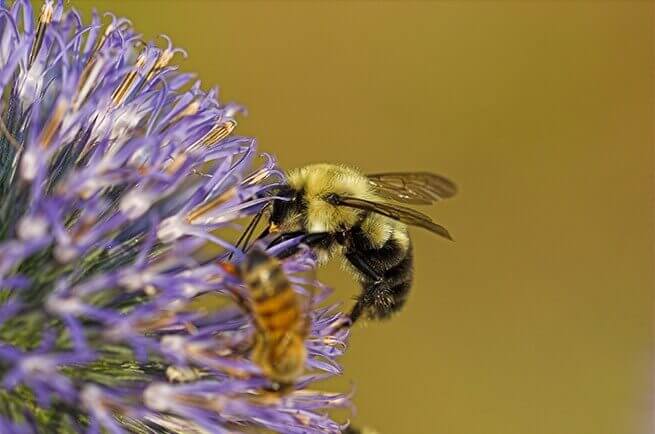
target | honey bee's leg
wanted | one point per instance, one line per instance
(240, 300)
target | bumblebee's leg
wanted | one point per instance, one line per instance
(247, 233)
(381, 300)
(359, 262)
(365, 300)
(356, 312)
(376, 301)
(284, 237)
(317, 239)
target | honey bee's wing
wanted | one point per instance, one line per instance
(418, 188)
(396, 212)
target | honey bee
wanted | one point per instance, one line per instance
(281, 324)
(339, 211)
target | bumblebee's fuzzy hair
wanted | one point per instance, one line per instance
(339, 211)
(316, 181)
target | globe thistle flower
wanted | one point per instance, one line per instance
(113, 173)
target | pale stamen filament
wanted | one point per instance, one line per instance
(202, 209)
(44, 20)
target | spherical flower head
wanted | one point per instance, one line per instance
(113, 173)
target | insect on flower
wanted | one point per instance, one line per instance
(281, 323)
(339, 211)
(113, 174)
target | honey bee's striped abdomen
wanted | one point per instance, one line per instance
(281, 326)
(277, 313)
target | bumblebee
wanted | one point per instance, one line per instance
(281, 324)
(339, 211)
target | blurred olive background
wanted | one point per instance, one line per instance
(538, 318)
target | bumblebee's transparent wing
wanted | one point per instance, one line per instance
(419, 188)
(396, 212)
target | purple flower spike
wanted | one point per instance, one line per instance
(112, 176)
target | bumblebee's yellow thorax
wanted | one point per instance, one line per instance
(316, 181)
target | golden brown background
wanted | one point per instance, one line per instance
(538, 318)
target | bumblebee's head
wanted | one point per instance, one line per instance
(307, 205)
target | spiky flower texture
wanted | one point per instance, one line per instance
(113, 172)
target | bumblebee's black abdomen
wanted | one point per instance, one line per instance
(393, 264)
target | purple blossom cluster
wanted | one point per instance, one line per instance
(114, 170)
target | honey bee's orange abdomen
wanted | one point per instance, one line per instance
(280, 312)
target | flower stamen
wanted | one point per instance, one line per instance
(122, 91)
(208, 206)
(53, 124)
(189, 110)
(218, 132)
(162, 61)
(44, 20)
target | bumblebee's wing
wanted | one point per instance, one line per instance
(418, 188)
(396, 212)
